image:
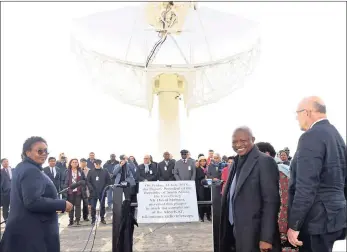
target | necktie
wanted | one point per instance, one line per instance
(52, 171)
(184, 161)
(231, 194)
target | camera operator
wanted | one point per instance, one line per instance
(123, 173)
(97, 180)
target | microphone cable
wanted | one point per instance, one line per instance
(96, 223)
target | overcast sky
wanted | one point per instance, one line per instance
(303, 52)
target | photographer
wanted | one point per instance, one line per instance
(123, 172)
(97, 180)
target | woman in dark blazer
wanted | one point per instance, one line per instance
(74, 174)
(32, 225)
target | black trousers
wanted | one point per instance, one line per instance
(75, 200)
(93, 202)
(320, 243)
(85, 208)
(5, 201)
(229, 238)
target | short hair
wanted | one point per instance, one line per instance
(266, 147)
(97, 161)
(3, 159)
(28, 144)
(122, 157)
(83, 160)
(217, 154)
(231, 157)
(283, 151)
(244, 129)
(200, 155)
(210, 150)
(319, 107)
(91, 153)
(184, 152)
(51, 158)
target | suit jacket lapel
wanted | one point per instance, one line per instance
(246, 169)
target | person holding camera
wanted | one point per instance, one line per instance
(97, 180)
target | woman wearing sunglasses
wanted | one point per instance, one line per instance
(32, 225)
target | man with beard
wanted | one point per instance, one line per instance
(251, 200)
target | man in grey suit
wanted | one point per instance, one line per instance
(185, 168)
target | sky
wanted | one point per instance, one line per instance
(43, 93)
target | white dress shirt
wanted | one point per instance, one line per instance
(8, 170)
(53, 171)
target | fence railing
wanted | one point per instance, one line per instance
(117, 213)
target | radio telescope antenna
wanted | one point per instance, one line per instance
(199, 54)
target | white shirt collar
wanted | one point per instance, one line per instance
(318, 121)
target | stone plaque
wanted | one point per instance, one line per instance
(167, 202)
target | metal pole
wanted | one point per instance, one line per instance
(216, 212)
(117, 216)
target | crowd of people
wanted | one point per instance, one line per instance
(63, 173)
(270, 201)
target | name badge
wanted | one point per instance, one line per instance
(165, 168)
(216, 168)
(189, 168)
(150, 172)
(97, 178)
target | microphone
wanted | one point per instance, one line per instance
(73, 186)
(122, 184)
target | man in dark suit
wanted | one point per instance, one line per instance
(317, 204)
(250, 200)
(166, 168)
(53, 172)
(147, 171)
(5, 186)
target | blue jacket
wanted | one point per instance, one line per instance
(32, 225)
(117, 173)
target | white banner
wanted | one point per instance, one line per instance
(167, 202)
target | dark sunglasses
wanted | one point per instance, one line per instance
(42, 151)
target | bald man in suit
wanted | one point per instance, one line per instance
(317, 204)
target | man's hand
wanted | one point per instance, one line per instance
(293, 237)
(264, 246)
(68, 206)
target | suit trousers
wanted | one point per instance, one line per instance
(5, 201)
(320, 243)
(75, 200)
(229, 238)
(94, 202)
(85, 209)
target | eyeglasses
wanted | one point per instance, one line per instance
(42, 151)
(299, 111)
